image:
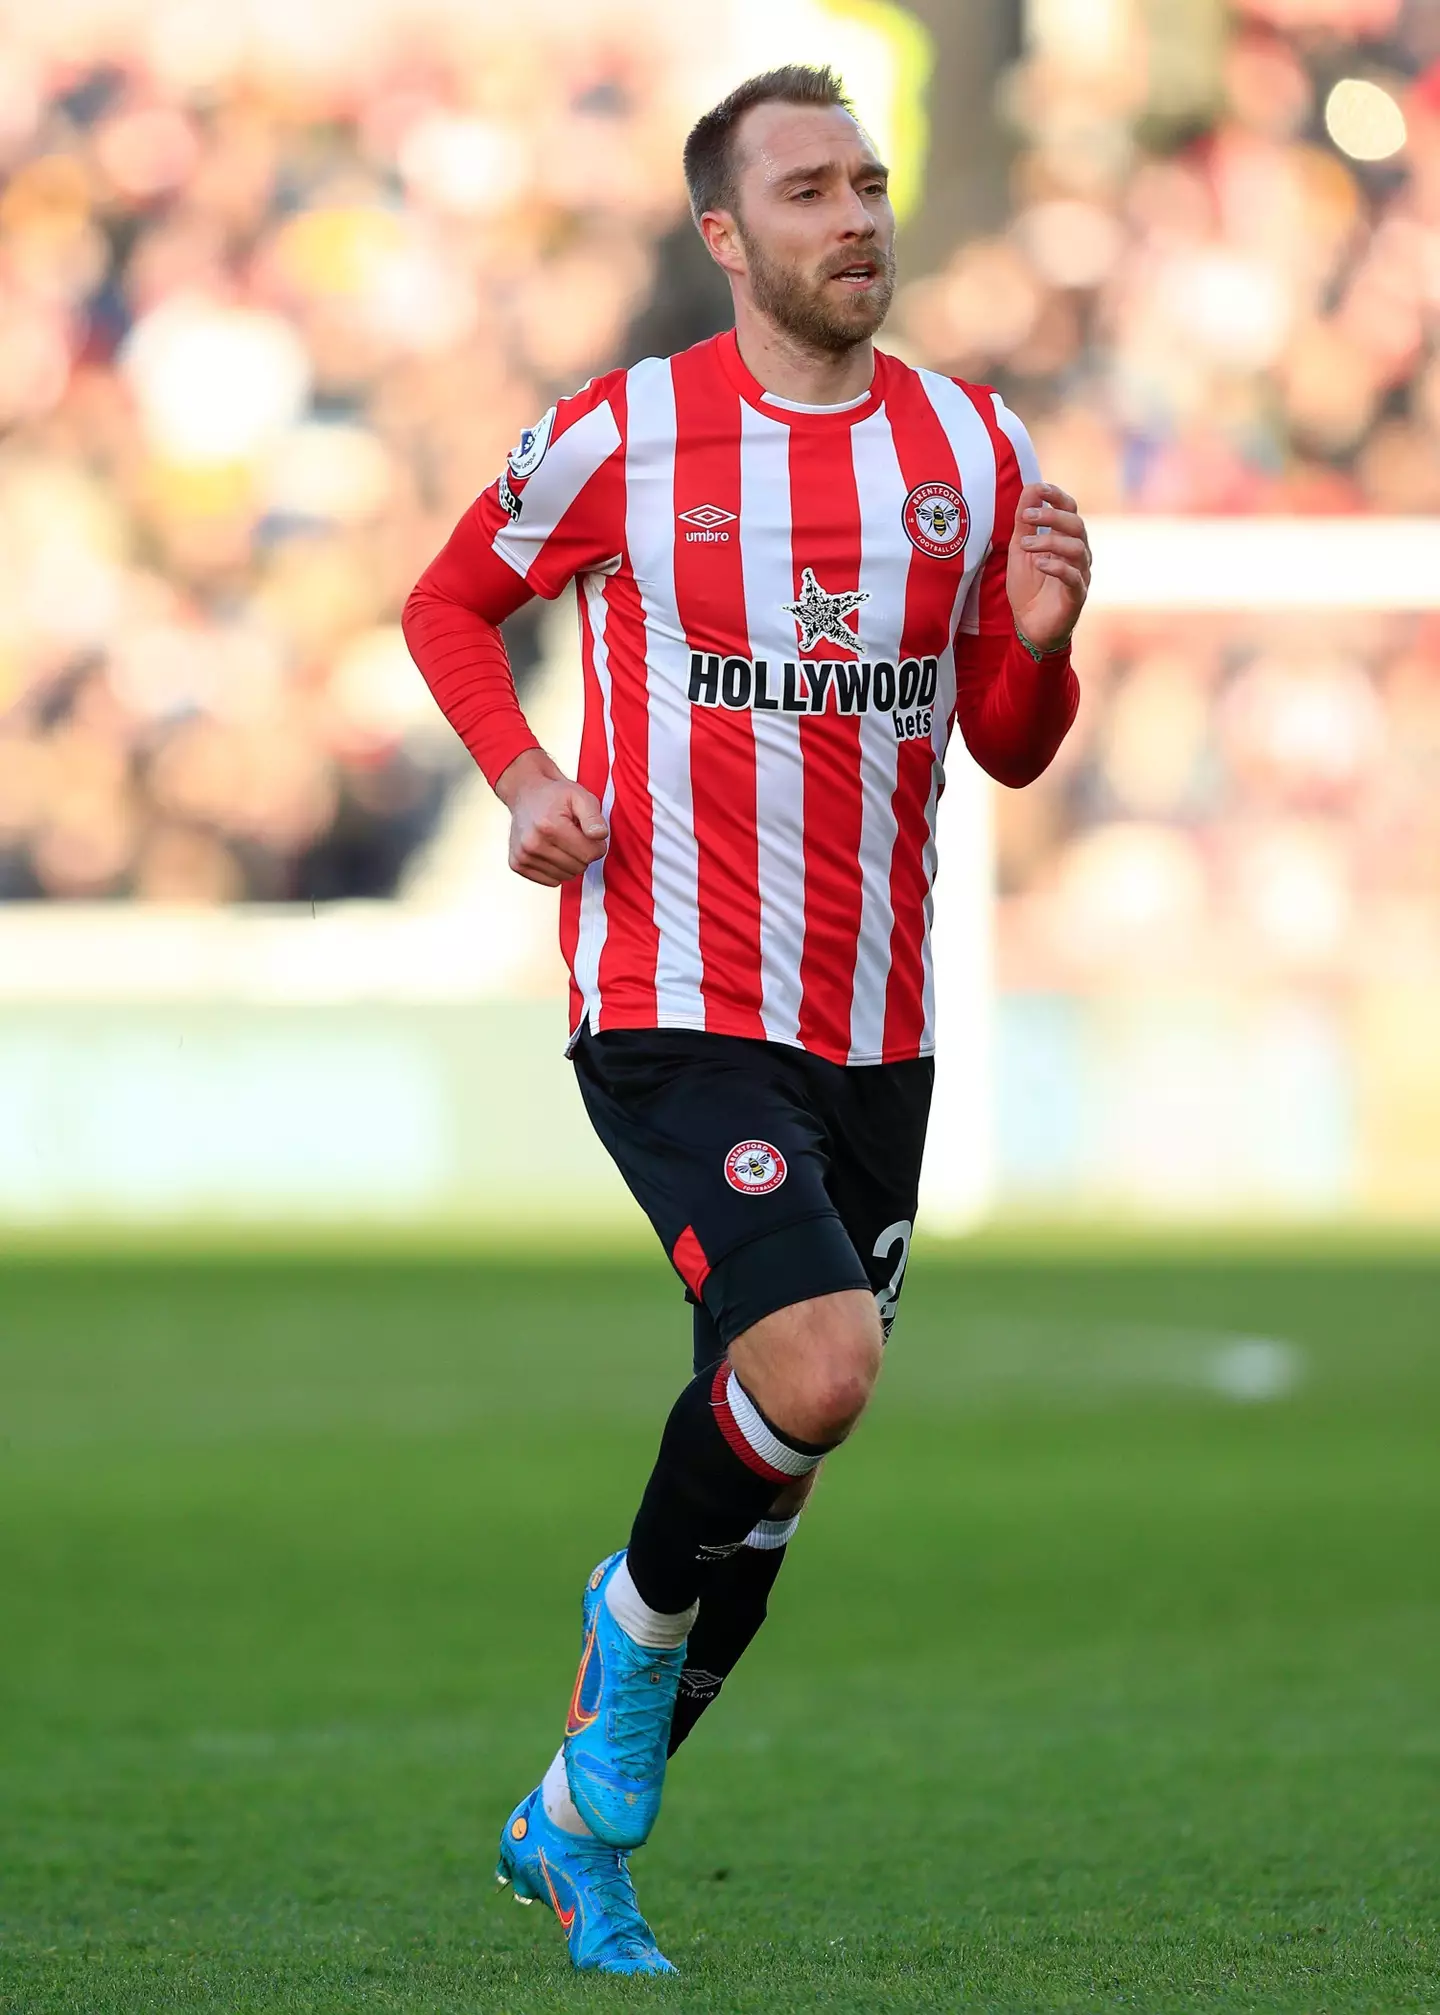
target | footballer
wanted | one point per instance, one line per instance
(800, 565)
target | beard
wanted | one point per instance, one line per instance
(807, 311)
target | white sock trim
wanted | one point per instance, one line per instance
(776, 1454)
(559, 1805)
(651, 1627)
(772, 1533)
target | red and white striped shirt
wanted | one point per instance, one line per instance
(783, 612)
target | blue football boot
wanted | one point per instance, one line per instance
(586, 1884)
(618, 1727)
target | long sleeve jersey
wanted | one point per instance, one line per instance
(784, 613)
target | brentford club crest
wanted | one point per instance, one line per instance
(755, 1168)
(937, 520)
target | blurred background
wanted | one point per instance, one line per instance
(280, 285)
(332, 1352)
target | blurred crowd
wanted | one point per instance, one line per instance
(1241, 796)
(278, 289)
(1219, 292)
(1212, 307)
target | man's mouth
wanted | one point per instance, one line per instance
(859, 273)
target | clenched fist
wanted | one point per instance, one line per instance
(556, 827)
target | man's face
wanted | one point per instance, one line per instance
(813, 222)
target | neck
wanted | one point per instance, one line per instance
(793, 370)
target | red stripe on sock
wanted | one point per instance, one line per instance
(730, 1428)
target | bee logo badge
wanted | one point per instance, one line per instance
(755, 1168)
(937, 520)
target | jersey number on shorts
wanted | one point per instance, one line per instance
(887, 1298)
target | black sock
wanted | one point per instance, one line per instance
(720, 1464)
(736, 1595)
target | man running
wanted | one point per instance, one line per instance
(798, 563)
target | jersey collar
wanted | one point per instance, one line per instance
(753, 392)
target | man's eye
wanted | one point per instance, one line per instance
(802, 195)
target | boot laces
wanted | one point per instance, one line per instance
(610, 1883)
(640, 1723)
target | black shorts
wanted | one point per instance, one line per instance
(770, 1175)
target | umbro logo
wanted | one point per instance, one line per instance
(706, 520)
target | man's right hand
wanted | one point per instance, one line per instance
(556, 827)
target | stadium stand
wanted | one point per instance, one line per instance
(1223, 313)
(392, 265)
(272, 315)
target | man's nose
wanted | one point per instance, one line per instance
(857, 225)
(856, 220)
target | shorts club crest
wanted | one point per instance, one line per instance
(755, 1168)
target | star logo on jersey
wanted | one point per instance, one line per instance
(821, 618)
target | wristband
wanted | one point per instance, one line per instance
(1037, 653)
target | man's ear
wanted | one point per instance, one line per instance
(722, 241)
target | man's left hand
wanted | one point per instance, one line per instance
(1048, 576)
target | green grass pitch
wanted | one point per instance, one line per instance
(1091, 1683)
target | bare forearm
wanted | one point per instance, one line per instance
(529, 768)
